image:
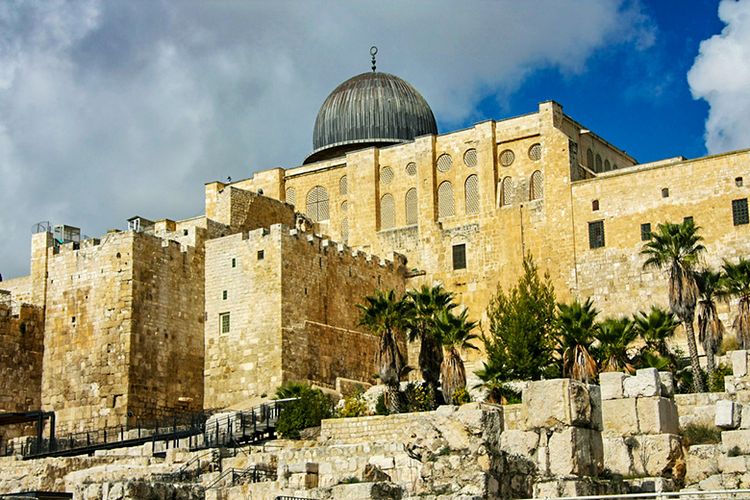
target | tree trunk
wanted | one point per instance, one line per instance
(710, 364)
(393, 397)
(430, 360)
(698, 385)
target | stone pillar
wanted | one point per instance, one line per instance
(40, 245)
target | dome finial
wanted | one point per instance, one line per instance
(373, 51)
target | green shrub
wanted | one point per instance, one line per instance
(417, 398)
(354, 405)
(700, 434)
(716, 379)
(311, 407)
(380, 406)
(461, 396)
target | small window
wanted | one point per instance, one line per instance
(261, 254)
(688, 219)
(73, 320)
(738, 181)
(459, 256)
(646, 231)
(595, 205)
(224, 295)
(234, 262)
(665, 192)
(224, 322)
(739, 212)
(596, 234)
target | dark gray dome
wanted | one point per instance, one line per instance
(371, 109)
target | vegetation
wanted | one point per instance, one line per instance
(677, 248)
(716, 378)
(710, 327)
(700, 434)
(455, 333)
(615, 336)
(736, 284)
(577, 330)
(417, 397)
(307, 411)
(354, 405)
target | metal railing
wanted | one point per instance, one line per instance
(253, 474)
(664, 495)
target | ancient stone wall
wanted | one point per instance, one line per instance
(244, 210)
(22, 341)
(20, 289)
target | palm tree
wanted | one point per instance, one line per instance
(677, 247)
(614, 336)
(710, 327)
(736, 283)
(577, 330)
(455, 333)
(423, 306)
(655, 327)
(383, 315)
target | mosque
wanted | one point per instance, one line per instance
(219, 309)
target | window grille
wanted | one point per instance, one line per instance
(459, 256)
(665, 192)
(596, 234)
(387, 212)
(224, 322)
(646, 231)
(224, 295)
(261, 254)
(291, 196)
(598, 163)
(688, 219)
(445, 200)
(536, 186)
(471, 194)
(344, 206)
(386, 175)
(444, 162)
(345, 229)
(411, 206)
(343, 185)
(411, 169)
(590, 159)
(234, 262)
(505, 192)
(317, 204)
(507, 157)
(535, 152)
(470, 157)
(739, 212)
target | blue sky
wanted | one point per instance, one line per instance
(110, 109)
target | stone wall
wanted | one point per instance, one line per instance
(22, 341)
(244, 210)
(291, 301)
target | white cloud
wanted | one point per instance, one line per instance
(721, 76)
(110, 109)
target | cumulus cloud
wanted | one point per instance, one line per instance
(721, 76)
(111, 109)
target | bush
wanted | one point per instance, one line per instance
(311, 407)
(354, 405)
(380, 406)
(730, 343)
(461, 396)
(700, 434)
(716, 379)
(417, 397)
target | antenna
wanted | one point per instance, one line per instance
(373, 51)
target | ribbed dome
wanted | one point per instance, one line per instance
(371, 109)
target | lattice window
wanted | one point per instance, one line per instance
(317, 204)
(470, 157)
(590, 159)
(444, 162)
(536, 186)
(345, 229)
(535, 152)
(411, 169)
(459, 256)
(471, 194)
(386, 175)
(445, 200)
(505, 192)
(387, 212)
(291, 196)
(646, 231)
(224, 322)
(411, 206)
(343, 185)
(598, 163)
(596, 234)
(344, 206)
(607, 166)
(740, 214)
(507, 157)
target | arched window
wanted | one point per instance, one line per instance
(536, 186)
(387, 212)
(345, 229)
(590, 159)
(471, 194)
(505, 192)
(411, 207)
(607, 166)
(343, 185)
(444, 162)
(317, 204)
(291, 196)
(598, 163)
(445, 200)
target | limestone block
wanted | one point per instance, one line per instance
(514, 417)
(728, 414)
(595, 397)
(611, 385)
(519, 442)
(736, 440)
(702, 461)
(745, 419)
(384, 463)
(575, 450)
(619, 417)
(733, 465)
(667, 384)
(645, 383)
(366, 491)
(657, 454)
(649, 484)
(617, 457)
(739, 363)
(657, 415)
(552, 403)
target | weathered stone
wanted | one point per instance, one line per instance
(374, 474)
(745, 419)
(667, 384)
(557, 402)
(739, 363)
(620, 417)
(701, 462)
(646, 382)
(519, 442)
(595, 396)
(736, 441)
(733, 465)
(657, 455)
(617, 456)
(728, 414)
(611, 385)
(657, 415)
(575, 450)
